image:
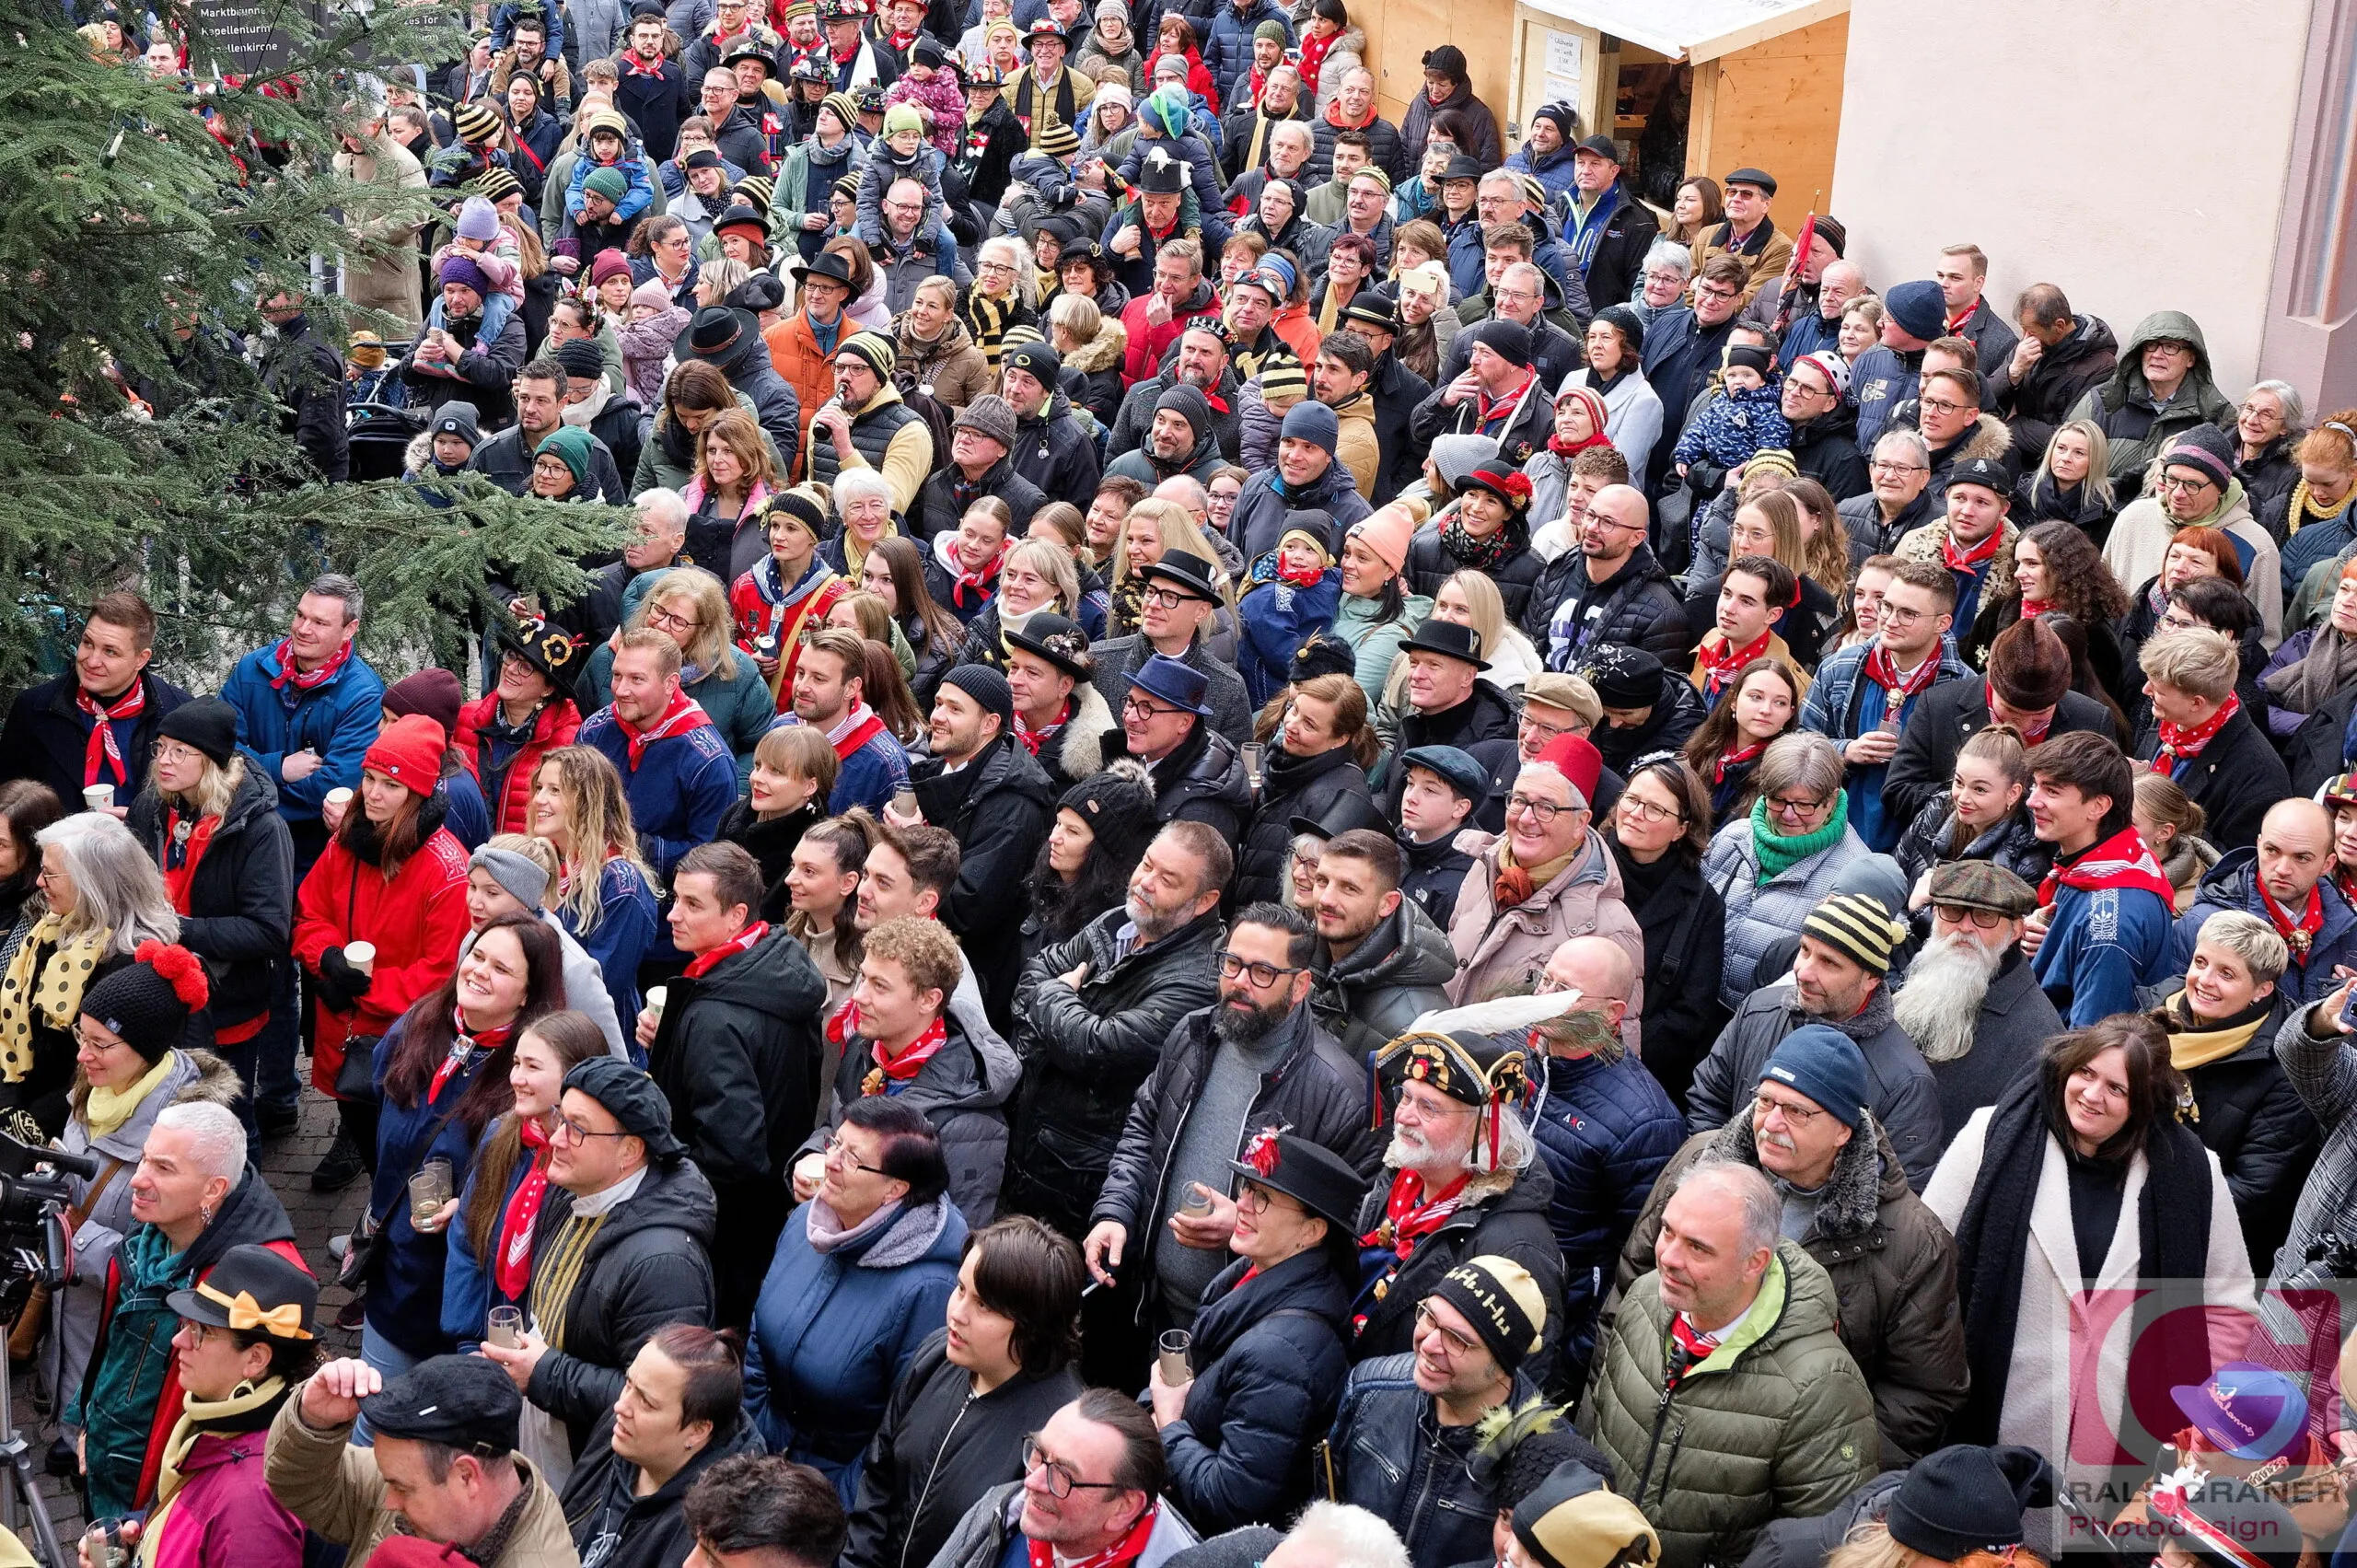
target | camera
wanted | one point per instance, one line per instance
(35, 1192)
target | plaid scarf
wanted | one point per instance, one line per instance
(103, 750)
(2181, 744)
(703, 963)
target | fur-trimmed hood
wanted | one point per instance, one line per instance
(1102, 352)
(1991, 438)
(1851, 1205)
(1082, 753)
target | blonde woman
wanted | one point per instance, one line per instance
(735, 475)
(1035, 575)
(871, 616)
(688, 606)
(1092, 344)
(605, 894)
(1154, 528)
(718, 279)
(1469, 599)
(1770, 523)
(1825, 542)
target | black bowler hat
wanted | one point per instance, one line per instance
(1310, 1174)
(1057, 640)
(1345, 813)
(825, 264)
(1448, 639)
(252, 1289)
(712, 334)
(1372, 310)
(1189, 571)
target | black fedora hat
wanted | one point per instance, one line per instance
(1310, 1174)
(1463, 165)
(252, 1288)
(1447, 638)
(714, 334)
(1189, 571)
(1345, 813)
(1058, 641)
(825, 264)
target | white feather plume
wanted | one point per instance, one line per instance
(1500, 1015)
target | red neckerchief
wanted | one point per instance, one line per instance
(978, 581)
(2298, 935)
(2031, 733)
(901, 42)
(1483, 403)
(1724, 660)
(464, 1049)
(1303, 577)
(289, 676)
(631, 67)
(843, 1023)
(703, 963)
(1697, 1344)
(2120, 861)
(1883, 670)
(1126, 1549)
(1735, 759)
(1313, 56)
(1254, 80)
(860, 724)
(2034, 608)
(511, 1262)
(1034, 738)
(1956, 323)
(2180, 744)
(680, 715)
(182, 849)
(103, 749)
(903, 1068)
(1409, 1216)
(1976, 556)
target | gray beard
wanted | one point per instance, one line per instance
(1940, 1005)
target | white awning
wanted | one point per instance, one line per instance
(1693, 30)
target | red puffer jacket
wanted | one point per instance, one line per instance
(416, 920)
(509, 793)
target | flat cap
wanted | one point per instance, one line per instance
(460, 1401)
(1982, 885)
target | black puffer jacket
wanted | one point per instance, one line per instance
(1640, 609)
(938, 510)
(1054, 453)
(964, 1089)
(241, 900)
(1202, 781)
(1503, 1214)
(2038, 404)
(1394, 975)
(1873, 534)
(1430, 564)
(1319, 1091)
(1290, 786)
(738, 1055)
(647, 1266)
(1826, 448)
(1269, 1361)
(1085, 1051)
(1676, 713)
(999, 807)
(1893, 1266)
(614, 1527)
(2012, 843)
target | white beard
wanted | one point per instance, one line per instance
(1940, 1005)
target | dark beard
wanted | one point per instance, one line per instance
(1235, 1027)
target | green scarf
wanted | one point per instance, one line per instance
(1778, 853)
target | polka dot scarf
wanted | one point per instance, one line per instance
(52, 989)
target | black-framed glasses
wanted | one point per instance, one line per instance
(1426, 1323)
(1542, 812)
(836, 1146)
(1783, 806)
(1230, 965)
(1957, 915)
(574, 1128)
(1061, 1482)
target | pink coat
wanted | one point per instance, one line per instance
(223, 1513)
(1501, 950)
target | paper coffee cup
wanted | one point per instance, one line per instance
(98, 797)
(656, 997)
(361, 956)
(337, 797)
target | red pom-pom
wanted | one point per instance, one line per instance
(179, 967)
(1518, 486)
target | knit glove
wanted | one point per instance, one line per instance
(341, 985)
(19, 1124)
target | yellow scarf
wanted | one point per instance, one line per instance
(107, 1110)
(52, 991)
(195, 1412)
(2190, 1048)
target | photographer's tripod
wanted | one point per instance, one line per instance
(21, 1502)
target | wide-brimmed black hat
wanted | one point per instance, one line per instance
(251, 1288)
(1371, 309)
(1189, 571)
(556, 653)
(1308, 1173)
(1462, 166)
(714, 334)
(831, 264)
(1058, 641)
(1447, 638)
(1345, 813)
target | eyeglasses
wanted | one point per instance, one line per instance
(1716, 292)
(87, 1043)
(1779, 806)
(573, 1129)
(1263, 975)
(2175, 621)
(1881, 465)
(1796, 1117)
(1167, 598)
(2173, 481)
(1061, 1482)
(1938, 405)
(1144, 708)
(1254, 1198)
(1646, 811)
(1900, 615)
(836, 1148)
(1980, 920)
(1542, 812)
(2260, 411)
(662, 619)
(1428, 1324)
(173, 751)
(1546, 731)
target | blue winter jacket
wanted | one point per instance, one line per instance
(678, 791)
(1275, 620)
(1604, 1130)
(1842, 707)
(1732, 427)
(465, 812)
(2102, 944)
(2233, 884)
(468, 1293)
(634, 201)
(627, 926)
(405, 1273)
(832, 1332)
(1227, 52)
(337, 719)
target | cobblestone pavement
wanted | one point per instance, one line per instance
(287, 1162)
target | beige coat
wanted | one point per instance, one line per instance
(334, 1488)
(388, 281)
(2057, 1400)
(1501, 951)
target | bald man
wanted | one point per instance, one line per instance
(2286, 881)
(1604, 1130)
(1608, 591)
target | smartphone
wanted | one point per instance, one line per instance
(2348, 1011)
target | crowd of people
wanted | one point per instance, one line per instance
(1283, 841)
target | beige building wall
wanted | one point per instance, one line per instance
(2131, 151)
